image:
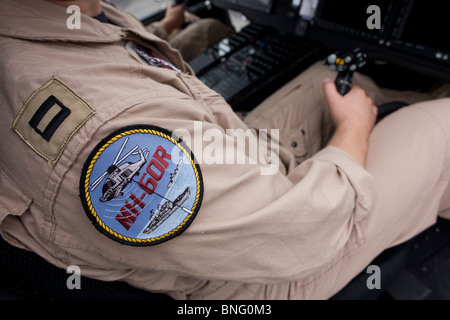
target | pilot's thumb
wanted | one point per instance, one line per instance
(331, 93)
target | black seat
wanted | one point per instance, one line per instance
(25, 275)
(387, 108)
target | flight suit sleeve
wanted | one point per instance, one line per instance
(280, 228)
(270, 228)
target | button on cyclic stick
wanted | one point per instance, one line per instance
(346, 64)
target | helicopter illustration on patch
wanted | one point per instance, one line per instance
(119, 176)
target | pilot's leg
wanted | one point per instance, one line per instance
(299, 111)
(409, 156)
(198, 36)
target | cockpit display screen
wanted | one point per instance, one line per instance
(260, 5)
(426, 25)
(352, 14)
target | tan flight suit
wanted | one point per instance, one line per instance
(301, 233)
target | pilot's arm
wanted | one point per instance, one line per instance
(354, 116)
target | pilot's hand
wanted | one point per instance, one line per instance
(354, 110)
(174, 18)
(354, 116)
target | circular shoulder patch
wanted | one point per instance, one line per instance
(140, 186)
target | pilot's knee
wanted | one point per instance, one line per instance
(438, 108)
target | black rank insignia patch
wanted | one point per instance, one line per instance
(141, 186)
(50, 117)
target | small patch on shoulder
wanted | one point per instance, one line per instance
(50, 117)
(141, 186)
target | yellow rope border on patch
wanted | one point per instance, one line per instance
(91, 166)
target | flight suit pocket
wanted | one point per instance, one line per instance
(295, 140)
(12, 200)
(299, 121)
